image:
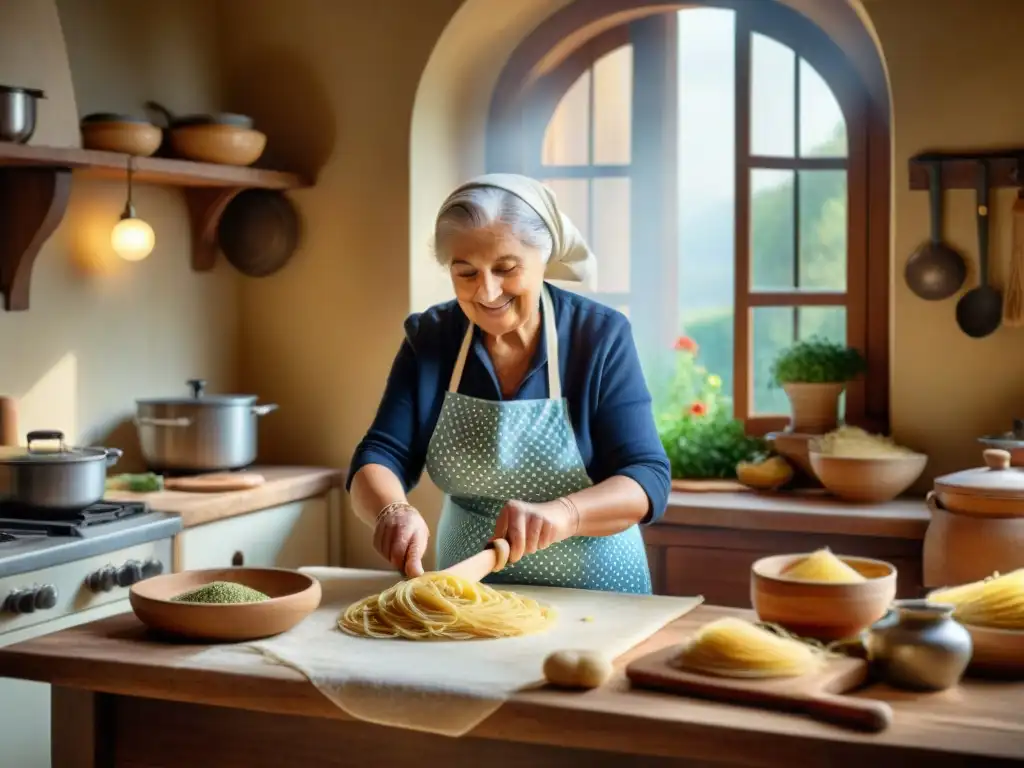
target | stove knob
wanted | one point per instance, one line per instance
(103, 580)
(46, 597)
(152, 567)
(26, 601)
(13, 602)
(129, 573)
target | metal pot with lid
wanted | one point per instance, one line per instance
(60, 478)
(201, 432)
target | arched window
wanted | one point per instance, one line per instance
(718, 160)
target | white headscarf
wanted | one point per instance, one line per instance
(571, 259)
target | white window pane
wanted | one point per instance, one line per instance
(613, 107)
(823, 228)
(610, 241)
(567, 136)
(707, 162)
(772, 235)
(772, 98)
(822, 125)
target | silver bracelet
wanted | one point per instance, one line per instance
(566, 502)
(393, 506)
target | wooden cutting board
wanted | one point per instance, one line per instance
(217, 482)
(817, 695)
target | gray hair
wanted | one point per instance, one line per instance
(479, 207)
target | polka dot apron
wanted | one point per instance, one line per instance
(484, 453)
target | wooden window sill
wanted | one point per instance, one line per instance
(903, 518)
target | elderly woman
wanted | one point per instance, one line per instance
(526, 404)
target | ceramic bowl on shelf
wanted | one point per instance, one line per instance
(821, 610)
(293, 596)
(120, 133)
(867, 480)
(221, 143)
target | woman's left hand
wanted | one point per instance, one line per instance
(529, 528)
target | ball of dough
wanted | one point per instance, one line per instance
(577, 669)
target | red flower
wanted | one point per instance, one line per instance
(686, 344)
(698, 409)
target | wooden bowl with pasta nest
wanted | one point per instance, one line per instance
(291, 597)
(820, 609)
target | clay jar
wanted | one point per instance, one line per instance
(919, 646)
(977, 524)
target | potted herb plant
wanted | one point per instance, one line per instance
(814, 374)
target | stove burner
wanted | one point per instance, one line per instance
(5, 537)
(25, 520)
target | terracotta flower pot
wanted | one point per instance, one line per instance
(815, 406)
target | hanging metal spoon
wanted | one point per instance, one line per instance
(980, 310)
(934, 270)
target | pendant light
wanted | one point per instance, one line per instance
(132, 238)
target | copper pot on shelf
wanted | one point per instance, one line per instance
(977, 525)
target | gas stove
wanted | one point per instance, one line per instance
(31, 539)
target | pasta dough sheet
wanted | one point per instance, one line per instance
(444, 687)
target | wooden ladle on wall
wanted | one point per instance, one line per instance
(934, 270)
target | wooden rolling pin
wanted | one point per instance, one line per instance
(493, 558)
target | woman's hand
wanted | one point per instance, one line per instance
(529, 528)
(401, 536)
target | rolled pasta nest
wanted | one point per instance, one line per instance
(440, 606)
(731, 647)
(996, 602)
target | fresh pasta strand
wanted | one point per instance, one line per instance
(822, 565)
(996, 601)
(441, 606)
(731, 647)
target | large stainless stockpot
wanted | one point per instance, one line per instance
(199, 433)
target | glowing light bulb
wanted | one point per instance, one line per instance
(132, 239)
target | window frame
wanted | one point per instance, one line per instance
(547, 64)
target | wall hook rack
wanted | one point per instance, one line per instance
(959, 169)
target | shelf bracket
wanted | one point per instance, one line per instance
(32, 205)
(205, 207)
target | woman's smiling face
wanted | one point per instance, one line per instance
(497, 278)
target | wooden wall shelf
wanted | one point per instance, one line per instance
(960, 170)
(35, 186)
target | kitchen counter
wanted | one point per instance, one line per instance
(283, 485)
(122, 698)
(902, 518)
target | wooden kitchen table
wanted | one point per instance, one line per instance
(121, 699)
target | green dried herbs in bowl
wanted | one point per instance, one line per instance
(225, 604)
(221, 592)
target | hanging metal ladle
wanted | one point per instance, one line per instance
(980, 311)
(935, 271)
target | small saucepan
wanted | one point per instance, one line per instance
(61, 478)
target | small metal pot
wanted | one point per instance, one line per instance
(18, 113)
(201, 433)
(65, 479)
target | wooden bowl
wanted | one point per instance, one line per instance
(997, 652)
(293, 596)
(218, 143)
(821, 610)
(870, 480)
(132, 137)
(793, 446)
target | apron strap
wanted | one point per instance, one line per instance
(550, 340)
